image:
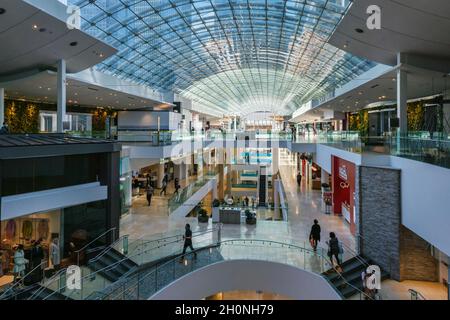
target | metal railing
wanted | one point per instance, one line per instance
(416, 295)
(21, 282)
(79, 251)
(86, 281)
(360, 240)
(146, 283)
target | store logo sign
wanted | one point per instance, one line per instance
(373, 281)
(343, 172)
(374, 19)
(73, 278)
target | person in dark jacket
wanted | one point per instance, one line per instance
(299, 179)
(314, 236)
(177, 185)
(149, 194)
(188, 241)
(333, 249)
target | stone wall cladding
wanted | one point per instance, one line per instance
(379, 216)
(386, 241)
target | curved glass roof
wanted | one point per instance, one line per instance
(228, 56)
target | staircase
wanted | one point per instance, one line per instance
(152, 277)
(38, 292)
(121, 265)
(349, 282)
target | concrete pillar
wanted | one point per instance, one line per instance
(200, 163)
(275, 160)
(325, 177)
(61, 92)
(2, 106)
(220, 189)
(160, 175)
(402, 97)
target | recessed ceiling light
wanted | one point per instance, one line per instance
(73, 43)
(42, 30)
(359, 30)
(35, 27)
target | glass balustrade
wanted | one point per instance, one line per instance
(146, 283)
(180, 199)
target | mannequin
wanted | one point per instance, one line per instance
(55, 256)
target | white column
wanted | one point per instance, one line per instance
(275, 160)
(61, 92)
(276, 195)
(402, 97)
(160, 176)
(2, 106)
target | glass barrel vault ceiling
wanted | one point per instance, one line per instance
(229, 57)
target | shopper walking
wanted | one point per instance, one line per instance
(149, 195)
(177, 185)
(314, 235)
(163, 188)
(334, 249)
(188, 242)
(299, 179)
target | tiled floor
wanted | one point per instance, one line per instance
(305, 205)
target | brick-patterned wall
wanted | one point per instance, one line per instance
(416, 261)
(379, 216)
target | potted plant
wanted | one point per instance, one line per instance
(203, 216)
(250, 217)
(215, 211)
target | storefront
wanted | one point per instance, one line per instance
(26, 231)
(66, 193)
(343, 178)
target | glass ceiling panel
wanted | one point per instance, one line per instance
(228, 56)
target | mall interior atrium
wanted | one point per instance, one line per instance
(224, 149)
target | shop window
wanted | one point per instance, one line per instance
(37, 174)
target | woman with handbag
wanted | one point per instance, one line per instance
(334, 249)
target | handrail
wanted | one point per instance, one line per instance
(92, 241)
(114, 265)
(376, 249)
(416, 295)
(109, 248)
(22, 279)
(117, 284)
(356, 254)
(50, 280)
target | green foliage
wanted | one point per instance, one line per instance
(416, 111)
(22, 116)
